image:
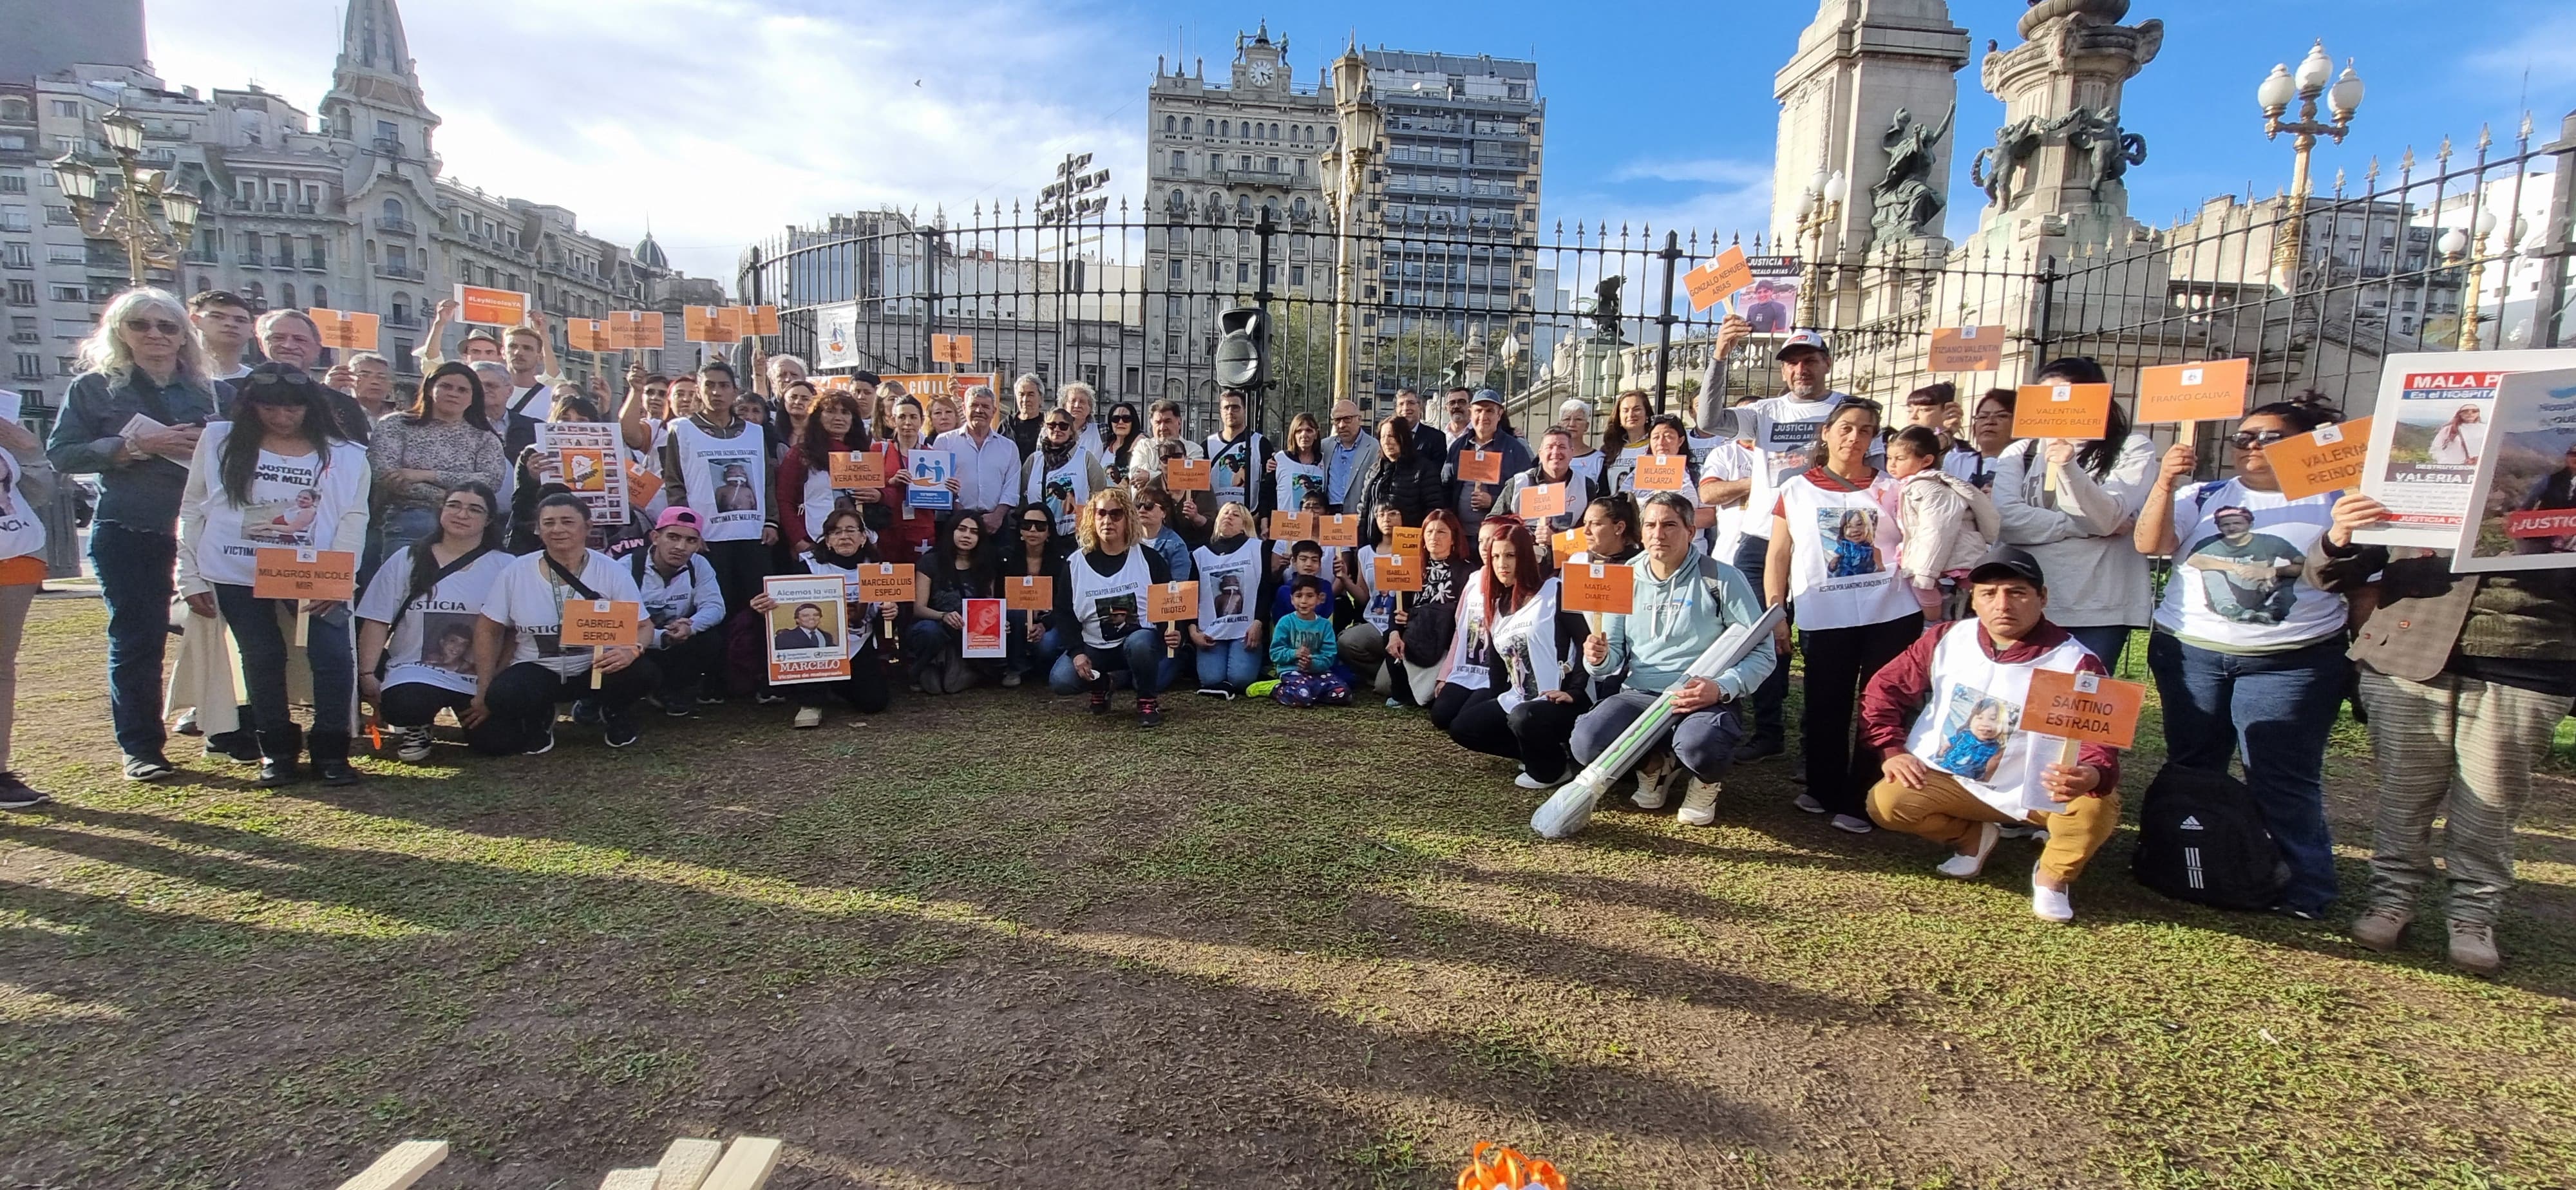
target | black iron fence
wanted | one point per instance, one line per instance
(2465, 250)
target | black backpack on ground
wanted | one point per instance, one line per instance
(2200, 839)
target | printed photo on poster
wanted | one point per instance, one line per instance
(930, 471)
(2428, 435)
(1851, 542)
(1975, 727)
(282, 522)
(983, 635)
(808, 627)
(2249, 576)
(1117, 614)
(1770, 303)
(2525, 495)
(589, 458)
(447, 642)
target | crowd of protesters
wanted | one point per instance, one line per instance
(1931, 565)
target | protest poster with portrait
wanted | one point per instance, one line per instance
(983, 634)
(2429, 433)
(588, 459)
(2524, 495)
(808, 629)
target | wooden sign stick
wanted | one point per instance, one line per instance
(595, 654)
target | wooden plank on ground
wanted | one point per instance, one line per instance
(746, 1165)
(640, 1178)
(685, 1164)
(400, 1166)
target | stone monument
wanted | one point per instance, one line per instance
(2052, 177)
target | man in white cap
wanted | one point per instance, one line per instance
(1783, 432)
(1345, 452)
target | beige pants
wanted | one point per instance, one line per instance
(1946, 813)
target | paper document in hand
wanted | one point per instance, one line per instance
(141, 425)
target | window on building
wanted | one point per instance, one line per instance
(69, 109)
(1273, 167)
(400, 308)
(22, 293)
(393, 209)
(71, 293)
(286, 295)
(1180, 162)
(321, 298)
(1169, 124)
(13, 183)
(252, 293)
(1176, 268)
(1225, 128)
(1185, 124)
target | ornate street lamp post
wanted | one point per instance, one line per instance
(1820, 206)
(2343, 100)
(151, 239)
(2456, 245)
(1345, 170)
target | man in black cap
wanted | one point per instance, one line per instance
(1971, 763)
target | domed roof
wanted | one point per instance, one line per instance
(650, 254)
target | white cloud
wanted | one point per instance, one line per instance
(1716, 198)
(1718, 170)
(720, 121)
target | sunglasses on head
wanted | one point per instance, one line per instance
(2249, 439)
(162, 325)
(275, 374)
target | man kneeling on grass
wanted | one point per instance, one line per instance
(1968, 765)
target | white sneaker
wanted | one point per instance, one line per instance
(2049, 903)
(1968, 865)
(1651, 792)
(809, 716)
(1699, 804)
(1526, 781)
(1856, 825)
(1808, 803)
(412, 743)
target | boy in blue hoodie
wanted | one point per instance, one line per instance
(1302, 648)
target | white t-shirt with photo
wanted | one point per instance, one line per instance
(527, 598)
(296, 502)
(2238, 559)
(433, 636)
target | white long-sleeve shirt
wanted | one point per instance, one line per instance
(2081, 535)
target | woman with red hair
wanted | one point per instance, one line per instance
(1504, 690)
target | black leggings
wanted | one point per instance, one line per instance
(1534, 732)
(416, 704)
(523, 698)
(1840, 661)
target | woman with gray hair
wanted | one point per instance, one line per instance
(1576, 416)
(132, 419)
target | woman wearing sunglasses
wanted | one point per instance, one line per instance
(141, 360)
(1035, 551)
(2248, 656)
(278, 476)
(2097, 581)
(1126, 437)
(1102, 613)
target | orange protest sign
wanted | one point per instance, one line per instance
(1718, 279)
(706, 324)
(1569, 543)
(952, 349)
(491, 307)
(1292, 526)
(1600, 587)
(1171, 603)
(1544, 500)
(1338, 529)
(2062, 411)
(641, 485)
(2328, 458)
(601, 622)
(1663, 473)
(1186, 475)
(886, 582)
(1029, 593)
(2212, 391)
(1481, 466)
(1397, 572)
(1966, 349)
(2086, 707)
(586, 334)
(758, 320)
(347, 330)
(634, 330)
(858, 469)
(1407, 542)
(290, 572)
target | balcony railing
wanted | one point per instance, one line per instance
(397, 272)
(400, 227)
(387, 145)
(402, 322)
(315, 264)
(283, 261)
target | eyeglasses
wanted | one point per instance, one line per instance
(151, 325)
(1109, 514)
(2249, 439)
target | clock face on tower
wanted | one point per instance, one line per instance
(1262, 74)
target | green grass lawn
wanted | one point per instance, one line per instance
(988, 940)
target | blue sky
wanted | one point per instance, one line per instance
(722, 120)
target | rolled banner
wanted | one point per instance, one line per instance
(1569, 809)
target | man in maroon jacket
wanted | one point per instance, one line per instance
(1967, 765)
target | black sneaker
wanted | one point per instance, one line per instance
(1149, 712)
(544, 743)
(768, 698)
(1757, 751)
(336, 772)
(585, 711)
(710, 698)
(147, 768)
(274, 773)
(617, 728)
(679, 708)
(14, 794)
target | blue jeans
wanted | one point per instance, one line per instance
(2107, 642)
(2277, 709)
(1703, 741)
(1139, 659)
(1032, 657)
(327, 648)
(1770, 699)
(136, 580)
(1233, 664)
(926, 642)
(395, 528)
